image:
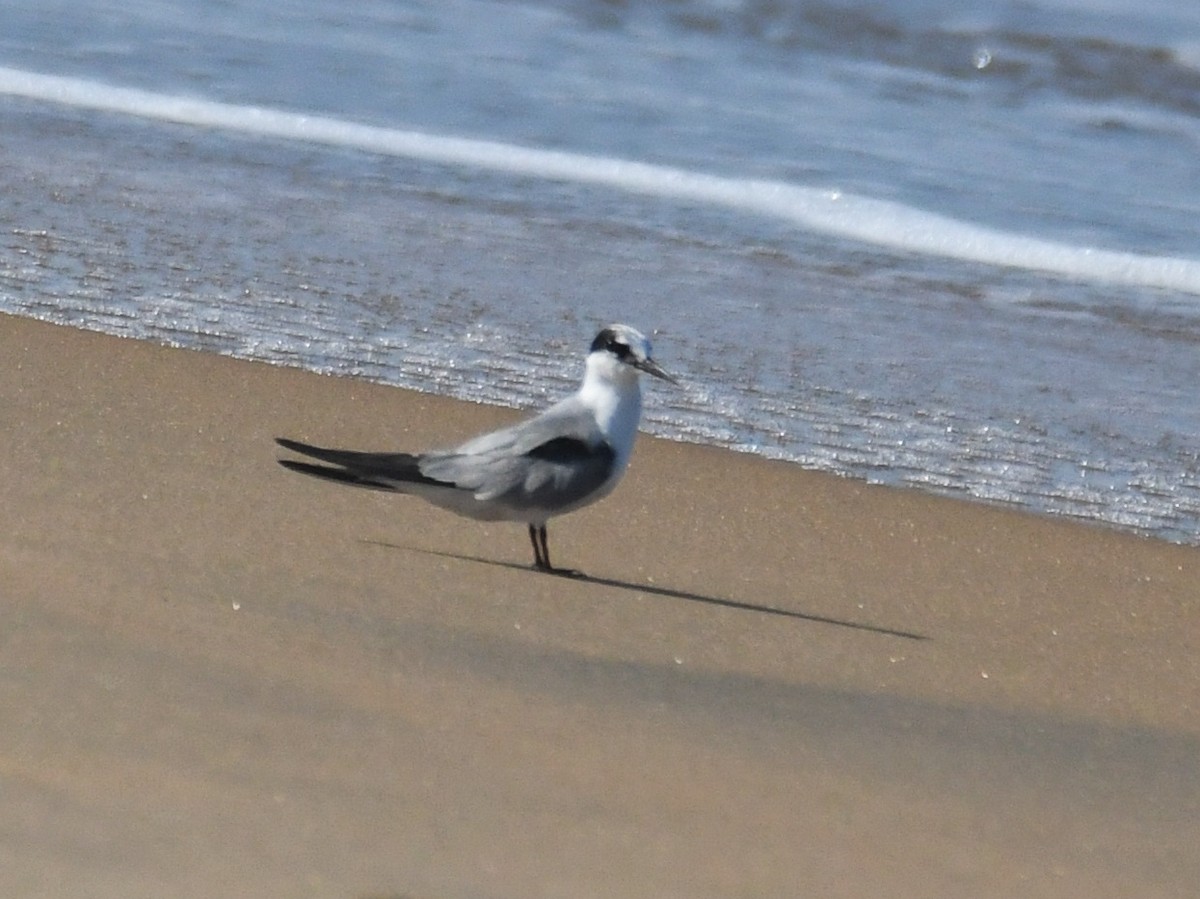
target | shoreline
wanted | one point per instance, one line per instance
(225, 677)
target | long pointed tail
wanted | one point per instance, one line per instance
(376, 471)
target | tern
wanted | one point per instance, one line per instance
(568, 457)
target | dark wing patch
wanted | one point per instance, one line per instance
(571, 450)
(561, 472)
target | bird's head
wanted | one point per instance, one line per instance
(625, 351)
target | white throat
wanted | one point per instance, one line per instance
(613, 393)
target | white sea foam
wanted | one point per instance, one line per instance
(873, 221)
(1187, 53)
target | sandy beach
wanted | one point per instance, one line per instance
(219, 678)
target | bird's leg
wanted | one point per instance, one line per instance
(541, 554)
(541, 557)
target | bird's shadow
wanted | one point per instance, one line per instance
(667, 592)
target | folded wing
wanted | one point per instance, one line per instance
(559, 473)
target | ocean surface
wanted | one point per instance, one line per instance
(946, 245)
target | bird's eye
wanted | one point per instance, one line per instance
(621, 350)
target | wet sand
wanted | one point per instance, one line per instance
(221, 678)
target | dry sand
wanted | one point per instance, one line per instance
(218, 678)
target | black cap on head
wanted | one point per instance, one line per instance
(604, 339)
(629, 346)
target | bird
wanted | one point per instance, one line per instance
(569, 456)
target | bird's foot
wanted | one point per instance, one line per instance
(561, 572)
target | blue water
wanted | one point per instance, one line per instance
(934, 244)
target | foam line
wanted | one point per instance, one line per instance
(872, 221)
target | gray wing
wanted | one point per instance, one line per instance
(551, 476)
(543, 466)
(566, 418)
